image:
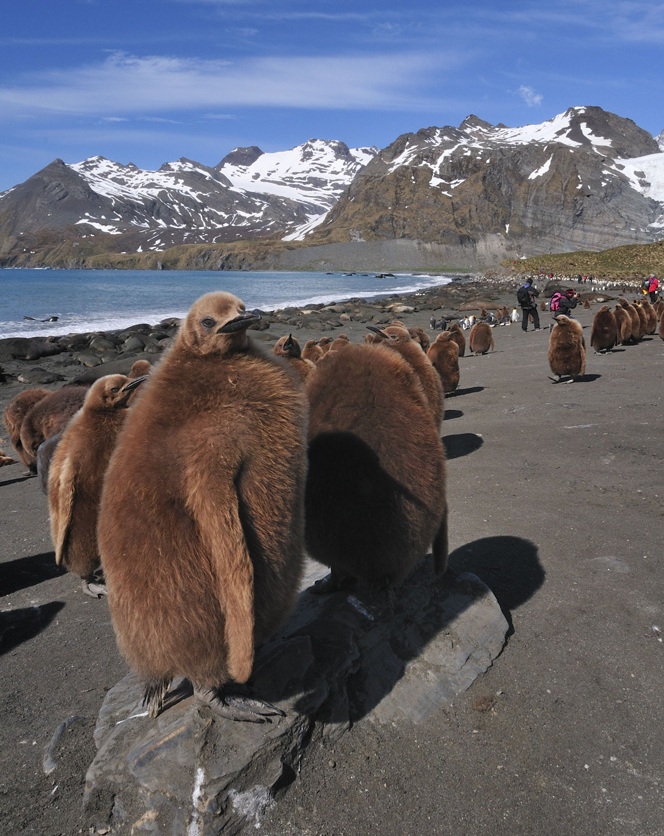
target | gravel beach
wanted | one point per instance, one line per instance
(556, 502)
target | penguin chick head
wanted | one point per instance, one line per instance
(112, 391)
(216, 324)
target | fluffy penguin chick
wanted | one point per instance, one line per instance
(76, 474)
(201, 520)
(567, 349)
(375, 498)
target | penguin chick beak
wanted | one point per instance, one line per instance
(378, 331)
(129, 387)
(239, 323)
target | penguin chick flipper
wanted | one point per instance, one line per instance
(232, 703)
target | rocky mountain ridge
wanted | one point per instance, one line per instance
(469, 196)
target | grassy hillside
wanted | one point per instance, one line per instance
(629, 262)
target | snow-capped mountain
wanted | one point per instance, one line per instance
(249, 194)
(473, 195)
(586, 179)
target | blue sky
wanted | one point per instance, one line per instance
(149, 81)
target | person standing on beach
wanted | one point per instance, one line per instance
(653, 285)
(526, 296)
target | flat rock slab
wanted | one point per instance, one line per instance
(339, 659)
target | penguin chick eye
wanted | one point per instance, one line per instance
(115, 390)
(208, 322)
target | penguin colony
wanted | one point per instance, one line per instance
(200, 486)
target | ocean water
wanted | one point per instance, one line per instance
(104, 300)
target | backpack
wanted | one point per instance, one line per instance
(523, 297)
(554, 304)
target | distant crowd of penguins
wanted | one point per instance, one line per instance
(189, 491)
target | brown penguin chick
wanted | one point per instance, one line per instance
(651, 317)
(586, 304)
(76, 473)
(339, 342)
(375, 497)
(324, 344)
(139, 368)
(5, 459)
(420, 336)
(398, 338)
(480, 338)
(643, 319)
(444, 356)
(659, 308)
(312, 351)
(201, 520)
(459, 337)
(624, 325)
(289, 348)
(47, 417)
(660, 328)
(567, 349)
(15, 412)
(604, 331)
(634, 317)
(649, 308)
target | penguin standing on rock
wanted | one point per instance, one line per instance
(376, 490)
(567, 349)
(201, 520)
(76, 473)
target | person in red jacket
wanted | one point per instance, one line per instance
(653, 286)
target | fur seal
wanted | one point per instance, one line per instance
(567, 349)
(76, 473)
(398, 338)
(47, 417)
(604, 331)
(375, 497)
(444, 356)
(15, 412)
(201, 520)
(480, 338)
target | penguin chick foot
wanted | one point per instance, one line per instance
(333, 582)
(232, 703)
(94, 590)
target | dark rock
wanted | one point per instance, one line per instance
(339, 659)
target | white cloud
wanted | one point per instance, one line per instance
(530, 97)
(125, 84)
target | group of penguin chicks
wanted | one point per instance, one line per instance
(627, 324)
(198, 486)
